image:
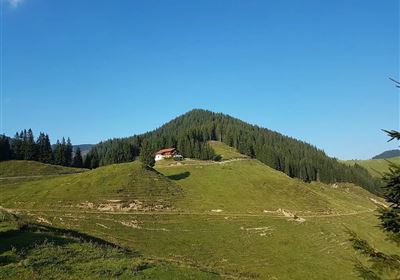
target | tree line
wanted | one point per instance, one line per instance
(24, 146)
(191, 132)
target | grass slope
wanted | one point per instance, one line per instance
(33, 251)
(119, 184)
(377, 167)
(19, 168)
(232, 219)
(225, 151)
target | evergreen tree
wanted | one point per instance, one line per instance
(390, 217)
(383, 266)
(58, 153)
(77, 160)
(44, 151)
(17, 146)
(87, 162)
(147, 154)
(5, 149)
(30, 148)
(68, 153)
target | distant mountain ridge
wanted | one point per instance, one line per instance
(388, 154)
(85, 148)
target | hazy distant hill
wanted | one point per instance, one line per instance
(85, 148)
(388, 154)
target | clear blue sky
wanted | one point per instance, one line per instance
(92, 70)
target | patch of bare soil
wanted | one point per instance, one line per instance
(287, 214)
(262, 231)
(116, 205)
(378, 202)
(132, 224)
(11, 211)
(43, 220)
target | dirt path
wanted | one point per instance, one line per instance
(223, 214)
(204, 163)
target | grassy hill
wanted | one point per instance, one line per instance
(191, 132)
(377, 167)
(235, 219)
(107, 186)
(19, 168)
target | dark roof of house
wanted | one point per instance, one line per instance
(163, 151)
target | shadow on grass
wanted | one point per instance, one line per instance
(29, 235)
(179, 176)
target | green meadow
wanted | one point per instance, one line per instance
(377, 167)
(233, 219)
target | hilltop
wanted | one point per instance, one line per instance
(190, 133)
(235, 218)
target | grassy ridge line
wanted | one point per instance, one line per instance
(128, 182)
(376, 167)
(24, 168)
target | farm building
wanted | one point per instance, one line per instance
(168, 153)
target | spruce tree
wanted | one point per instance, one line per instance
(390, 217)
(383, 266)
(77, 160)
(30, 149)
(5, 149)
(147, 154)
(68, 153)
(44, 151)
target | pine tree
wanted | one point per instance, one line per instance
(77, 160)
(147, 154)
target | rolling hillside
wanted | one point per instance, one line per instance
(376, 167)
(21, 168)
(235, 219)
(190, 134)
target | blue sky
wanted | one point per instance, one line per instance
(314, 70)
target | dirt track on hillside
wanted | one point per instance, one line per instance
(177, 213)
